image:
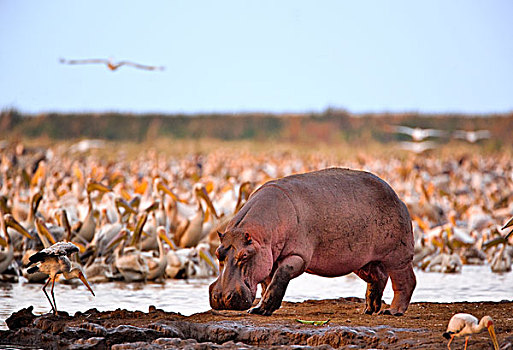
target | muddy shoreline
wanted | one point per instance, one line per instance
(348, 328)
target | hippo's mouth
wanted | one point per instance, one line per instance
(235, 298)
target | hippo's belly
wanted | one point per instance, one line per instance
(346, 219)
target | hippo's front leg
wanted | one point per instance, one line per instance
(288, 268)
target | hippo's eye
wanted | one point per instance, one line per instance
(242, 256)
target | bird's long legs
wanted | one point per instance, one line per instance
(466, 342)
(54, 309)
(53, 297)
(449, 344)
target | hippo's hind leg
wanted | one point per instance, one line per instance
(403, 284)
(376, 277)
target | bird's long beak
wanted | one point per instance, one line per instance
(164, 188)
(209, 259)
(491, 330)
(84, 281)
(3, 242)
(139, 228)
(10, 221)
(121, 202)
(96, 186)
(203, 193)
(166, 239)
(508, 224)
(118, 238)
(43, 230)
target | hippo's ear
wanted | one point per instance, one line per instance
(221, 235)
(247, 238)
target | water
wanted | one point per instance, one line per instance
(475, 283)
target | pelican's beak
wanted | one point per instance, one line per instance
(152, 207)
(10, 221)
(491, 330)
(166, 239)
(96, 186)
(209, 259)
(121, 202)
(203, 193)
(3, 242)
(139, 228)
(118, 238)
(164, 188)
(508, 224)
(42, 229)
(84, 281)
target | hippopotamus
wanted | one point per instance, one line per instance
(329, 223)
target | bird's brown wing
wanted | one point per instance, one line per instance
(58, 249)
(84, 61)
(140, 66)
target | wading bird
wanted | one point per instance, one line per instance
(464, 325)
(54, 261)
(111, 64)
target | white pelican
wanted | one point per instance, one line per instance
(193, 233)
(191, 262)
(53, 261)
(86, 232)
(464, 325)
(130, 262)
(472, 136)
(6, 256)
(418, 147)
(157, 266)
(501, 261)
(110, 63)
(417, 134)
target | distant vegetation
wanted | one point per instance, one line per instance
(330, 127)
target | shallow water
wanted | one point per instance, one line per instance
(475, 283)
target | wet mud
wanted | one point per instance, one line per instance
(348, 328)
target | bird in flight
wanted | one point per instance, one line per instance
(110, 63)
(417, 134)
(472, 136)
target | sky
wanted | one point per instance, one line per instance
(258, 56)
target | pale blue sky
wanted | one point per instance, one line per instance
(268, 56)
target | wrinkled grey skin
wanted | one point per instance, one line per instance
(329, 223)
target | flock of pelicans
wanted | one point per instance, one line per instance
(73, 213)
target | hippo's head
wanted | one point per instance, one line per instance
(243, 263)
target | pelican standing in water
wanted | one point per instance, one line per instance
(54, 261)
(7, 255)
(464, 325)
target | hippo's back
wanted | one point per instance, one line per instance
(344, 212)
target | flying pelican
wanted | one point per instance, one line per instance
(111, 64)
(417, 147)
(465, 325)
(417, 134)
(472, 136)
(53, 261)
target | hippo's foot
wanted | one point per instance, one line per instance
(391, 312)
(258, 310)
